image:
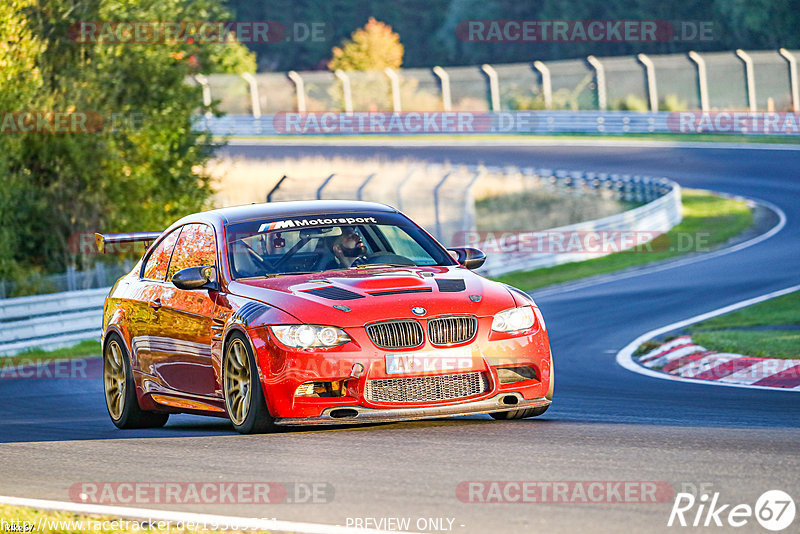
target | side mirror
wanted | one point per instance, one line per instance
(471, 258)
(204, 277)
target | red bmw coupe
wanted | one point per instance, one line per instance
(315, 313)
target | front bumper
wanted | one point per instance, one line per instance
(353, 414)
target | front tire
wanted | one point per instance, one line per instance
(120, 390)
(244, 396)
(522, 413)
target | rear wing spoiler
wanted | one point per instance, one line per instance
(104, 240)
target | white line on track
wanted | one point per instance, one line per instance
(151, 516)
(515, 142)
(625, 356)
(671, 264)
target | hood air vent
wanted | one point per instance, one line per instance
(451, 286)
(334, 293)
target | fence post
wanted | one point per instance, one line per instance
(468, 221)
(299, 89)
(650, 74)
(346, 90)
(100, 273)
(400, 188)
(359, 193)
(547, 84)
(436, 205)
(71, 278)
(600, 79)
(494, 87)
(444, 80)
(203, 81)
(395, 80)
(789, 57)
(275, 188)
(702, 80)
(748, 74)
(255, 103)
(319, 190)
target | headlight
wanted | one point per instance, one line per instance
(305, 335)
(514, 319)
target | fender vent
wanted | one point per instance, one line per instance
(334, 293)
(248, 312)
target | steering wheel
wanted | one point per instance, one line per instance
(386, 257)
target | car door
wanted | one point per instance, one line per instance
(147, 337)
(186, 315)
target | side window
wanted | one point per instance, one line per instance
(196, 247)
(158, 261)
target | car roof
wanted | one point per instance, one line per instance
(293, 208)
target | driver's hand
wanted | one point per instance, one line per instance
(361, 260)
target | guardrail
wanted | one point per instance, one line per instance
(61, 319)
(662, 211)
(50, 321)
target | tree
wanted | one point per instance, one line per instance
(142, 165)
(373, 47)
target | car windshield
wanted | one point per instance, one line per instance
(318, 243)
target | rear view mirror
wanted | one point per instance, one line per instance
(471, 258)
(204, 277)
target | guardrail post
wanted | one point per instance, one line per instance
(494, 86)
(255, 103)
(71, 279)
(346, 90)
(436, 205)
(600, 79)
(324, 183)
(203, 81)
(702, 79)
(360, 191)
(547, 84)
(650, 74)
(275, 188)
(100, 274)
(299, 90)
(444, 80)
(395, 81)
(749, 76)
(789, 57)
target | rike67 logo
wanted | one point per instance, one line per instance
(774, 510)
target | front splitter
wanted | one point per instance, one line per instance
(360, 414)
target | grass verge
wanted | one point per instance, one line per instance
(708, 220)
(744, 332)
(24, 519)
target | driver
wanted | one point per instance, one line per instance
(349, 249)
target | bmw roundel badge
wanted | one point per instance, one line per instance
(417, 310)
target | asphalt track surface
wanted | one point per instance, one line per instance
(606, 424)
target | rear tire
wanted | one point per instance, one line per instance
(244, 396)
(120, 390)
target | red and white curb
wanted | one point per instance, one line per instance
(681, 357)
(709, 367)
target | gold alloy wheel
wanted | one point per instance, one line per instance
(114, 379)
(237, 381)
